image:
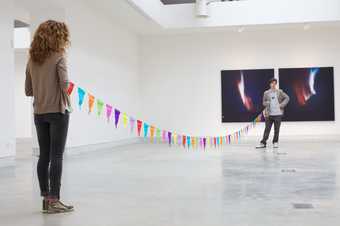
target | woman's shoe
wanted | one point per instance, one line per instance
(58, 207)
(70, 207)
(44, 205)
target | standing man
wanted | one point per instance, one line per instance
(274, 101)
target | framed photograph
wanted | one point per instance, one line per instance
(311, 92)
(242, 92)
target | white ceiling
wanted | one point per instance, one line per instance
(124, 13)
(147, 17)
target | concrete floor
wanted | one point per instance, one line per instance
(146, 184)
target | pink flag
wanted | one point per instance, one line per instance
(108, 112)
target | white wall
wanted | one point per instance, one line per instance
(103, 59)
(7, 118)
(23, 105)
(181, 74)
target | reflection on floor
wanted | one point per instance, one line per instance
(147, 184)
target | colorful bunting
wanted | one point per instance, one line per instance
(161, 135)
(132, 124)
(174, 140)
(81, 95)
(125, 120)
(192, 139)
(91, 102)
(139, 126)
(146, 129)
(100, 106)
(179, 140)
(164, 136)
(169, 137)
(152, 133)
(117, 114)
(158, 135)
(70, 88)
(108, 112)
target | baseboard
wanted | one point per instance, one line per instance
(95, 147)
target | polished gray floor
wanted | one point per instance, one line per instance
(147, 184)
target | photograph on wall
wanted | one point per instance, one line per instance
(311, 92)
(242, 92)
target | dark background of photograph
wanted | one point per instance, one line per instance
(255, 82)
(319, 107)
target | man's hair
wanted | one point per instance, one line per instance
(272, 80)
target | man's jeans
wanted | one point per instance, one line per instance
(276, 120)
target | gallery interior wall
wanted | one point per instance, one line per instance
(7, 81)
(180, 89)
(23, 105)
(105, 62)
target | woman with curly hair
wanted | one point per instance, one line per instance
(46, 81)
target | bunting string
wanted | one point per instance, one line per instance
(153, 133)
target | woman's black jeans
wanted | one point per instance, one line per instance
(52, 132)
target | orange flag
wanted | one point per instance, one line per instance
(91, 102)
(152, 133)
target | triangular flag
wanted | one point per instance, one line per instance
(146, 129)
(108, 112)
(184, 140)
(179, 140)
(91, 102)
(152, 133)
(132, 124)
(125, 120)
(81, 95)
(193, 143)
(204, 142)
(139, 126)
(100, 106)
(117, 114)
(169, 137)
(174, 140)
(164, 136)
(158, 135)
(188, 141)
(215, 141)
(70, 88)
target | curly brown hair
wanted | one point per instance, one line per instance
(50, 37)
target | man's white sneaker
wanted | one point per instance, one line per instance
(275, 145)
(261, 146)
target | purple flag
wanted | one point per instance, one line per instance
(169, 137)
(117, 114)
(164, 136)
(179, 139)
(108, 112)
